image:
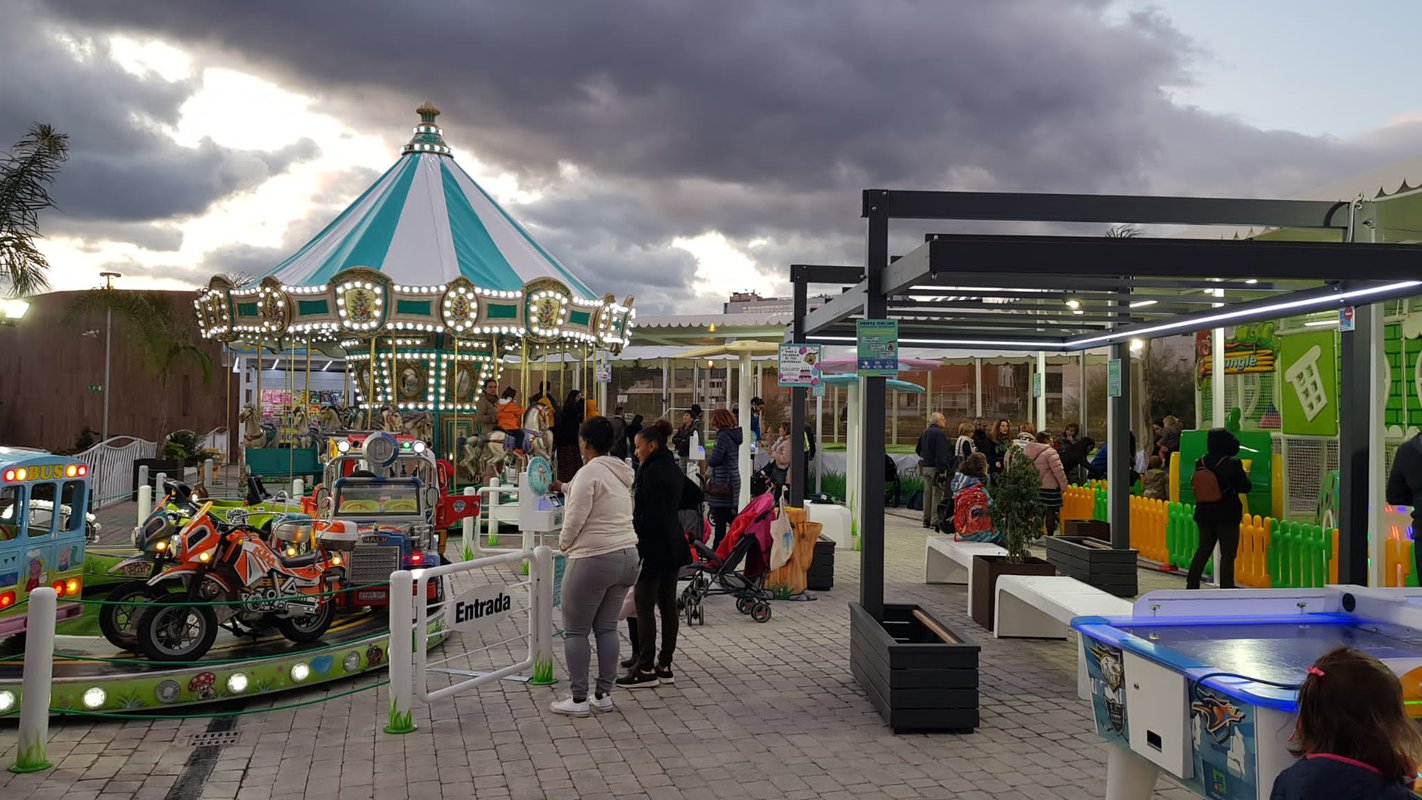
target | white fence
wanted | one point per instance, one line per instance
(111, 467)
(475, 615)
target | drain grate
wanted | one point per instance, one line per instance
(215, 738)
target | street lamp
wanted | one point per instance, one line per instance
(108, 341)
(13, 310)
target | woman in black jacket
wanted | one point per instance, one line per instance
(1218, 521)
(656, 498)
(565, 436)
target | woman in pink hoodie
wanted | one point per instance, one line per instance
(1048, 462)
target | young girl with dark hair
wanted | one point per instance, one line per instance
(1354, 737)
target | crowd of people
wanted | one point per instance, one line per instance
(958, 478)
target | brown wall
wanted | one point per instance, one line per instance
(48, 364)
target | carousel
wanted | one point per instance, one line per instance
(427, 288)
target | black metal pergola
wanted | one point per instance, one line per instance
(1072, 293)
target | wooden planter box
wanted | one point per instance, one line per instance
(820, 578)
(983, 591)
(915, 677)
(1096, 529)
(1087, 560)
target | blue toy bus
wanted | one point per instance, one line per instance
(44, 503)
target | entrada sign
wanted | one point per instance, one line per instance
(479, 608)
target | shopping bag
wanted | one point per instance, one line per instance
(782, 539)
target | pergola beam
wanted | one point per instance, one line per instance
(1108, 209)
(845, 305)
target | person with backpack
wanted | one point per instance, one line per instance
(1218, 482)
(934, 457)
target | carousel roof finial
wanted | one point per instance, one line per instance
(428, 137)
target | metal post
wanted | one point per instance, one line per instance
(1354, 422)
(819, 441)
(541, 592)
(36, 680)
(1377, 468)
(743, 455)
(1039, 386)
(978, 385)
(108, 349)
(798, 476)
(853, 458)
(470, 545)
(666, 390)
(402, 646)
(876, 260)
(1119, 452)
(1081, 397)
(1217, 398)
(894, 415)
(834, 411)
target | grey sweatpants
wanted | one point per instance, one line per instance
(593, 591)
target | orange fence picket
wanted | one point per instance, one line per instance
(1078, 502)
(1251, 566)
(1148, 524)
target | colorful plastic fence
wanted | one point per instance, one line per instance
(1272, 553)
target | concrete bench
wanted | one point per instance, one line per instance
(1042, 606)
(948, 561)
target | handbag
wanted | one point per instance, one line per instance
(720, 490)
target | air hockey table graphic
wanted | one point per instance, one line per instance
(1204, 685)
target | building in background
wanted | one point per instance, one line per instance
(752, 303)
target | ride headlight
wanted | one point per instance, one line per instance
(418, 447)
(343, 446)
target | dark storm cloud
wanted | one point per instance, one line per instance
(123, 165)
(760, 120)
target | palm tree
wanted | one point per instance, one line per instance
(1123, 232)
(148, 319)
(29, 168)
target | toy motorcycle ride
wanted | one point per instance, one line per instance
(152, 539)
(233, 578)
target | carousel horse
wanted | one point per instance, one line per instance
(537, 439)
(391, 420)
(421, 426)
(254, 432)
(330, 419)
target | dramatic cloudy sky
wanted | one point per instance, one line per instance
(676, 149)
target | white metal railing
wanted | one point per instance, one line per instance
(410, 634)
(218, 439)
(111, 467)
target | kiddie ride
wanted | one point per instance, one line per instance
(266, 608)
(380, 454)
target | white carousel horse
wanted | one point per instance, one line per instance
(254, 433)
(537, 441)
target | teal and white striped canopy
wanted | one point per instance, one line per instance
(425, 223)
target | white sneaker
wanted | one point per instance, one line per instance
(602, 704)
(569, 707)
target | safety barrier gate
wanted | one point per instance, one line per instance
(473, 612)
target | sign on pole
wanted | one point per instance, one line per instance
(799, 365)
(479, 609)
(1037, 384)
(1345, 319)
(878, 341)
(1113, 378)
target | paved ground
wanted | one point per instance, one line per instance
(758, 711)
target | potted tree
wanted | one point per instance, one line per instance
(1016, 514)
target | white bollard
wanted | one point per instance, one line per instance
(298, 489)
(209, 471)
(158, 484)
(542, 599)
(145, 502)
(402, 647)
(143, 475)
(35, 685)
(471, 544)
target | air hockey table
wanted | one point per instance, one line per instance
(1204, 685)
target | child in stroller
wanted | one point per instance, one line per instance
(747, 543)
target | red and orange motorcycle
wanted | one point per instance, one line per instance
(233, 578)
